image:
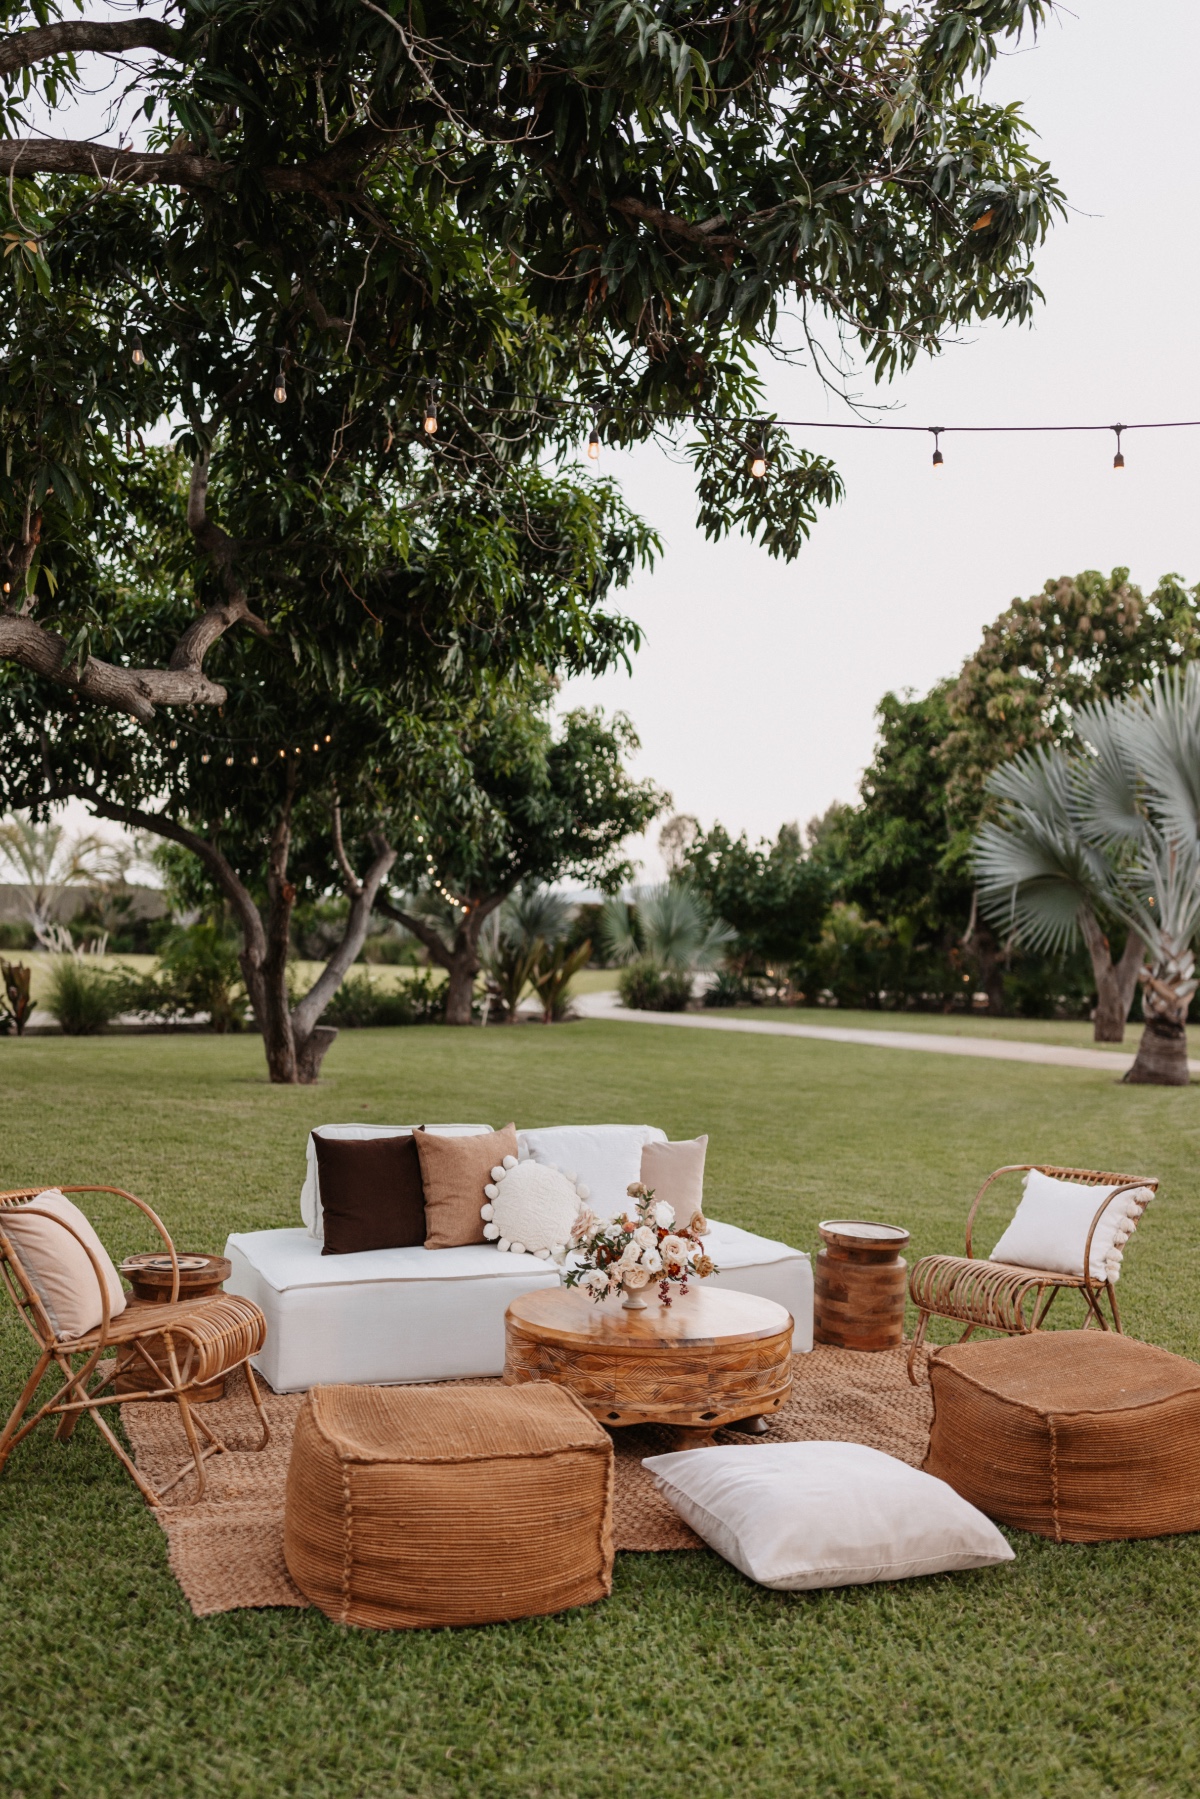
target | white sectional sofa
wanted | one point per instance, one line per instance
(386, 1316)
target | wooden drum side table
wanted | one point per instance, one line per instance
(150, 1277)
(859, 1285)
(710, 1359)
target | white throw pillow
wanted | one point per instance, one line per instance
(310, 1192)
(604, 1158)
(799, 1515)
(1050, 1226)
(60, 1270)
(529, 1209)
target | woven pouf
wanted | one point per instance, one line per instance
(1082, 1436)
(418, 1506)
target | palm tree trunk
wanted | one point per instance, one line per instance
(1115, 982)
(1167, 990)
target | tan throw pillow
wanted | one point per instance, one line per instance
(454, 1172)
(57, 1265)
(676, 1173)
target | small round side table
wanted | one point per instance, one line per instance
(859, 1285)
(150, 1277)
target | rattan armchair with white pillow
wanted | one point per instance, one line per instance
(1013, 1296)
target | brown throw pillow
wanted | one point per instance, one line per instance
(455, 1170)
(676, 1173)
(371, 1193)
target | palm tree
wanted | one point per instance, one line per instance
(1112, 827)
(519, 938)
(670, 928)
(46, 859)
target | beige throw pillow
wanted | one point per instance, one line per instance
(676, 1173)
(57, 1264)
(454, 1172)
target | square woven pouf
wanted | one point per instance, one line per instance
(410, 1507)
(1083, 1436)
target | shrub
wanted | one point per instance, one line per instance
(729, 988)
(82, 997)
(199, 971)
(359, 1004)
(16, 934)
(646, 987)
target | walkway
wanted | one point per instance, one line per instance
(996, 1049)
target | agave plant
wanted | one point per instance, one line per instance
(519, 940)
(1113, 827)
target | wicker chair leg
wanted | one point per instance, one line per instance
(139, 1480)
(185, 1412)
(1116, 1311)
(256, 1396)
(918, 1339)
(968, 1333)
(8, 1436)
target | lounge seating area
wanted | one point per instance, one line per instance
(464, 1399)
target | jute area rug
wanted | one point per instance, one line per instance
(227, 1550)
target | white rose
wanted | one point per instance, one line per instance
(645, 1236)
(664, 1215)
(652, 1260)
(629, 1256)
(595, 1280)
(634, 1278)
(675, 1249)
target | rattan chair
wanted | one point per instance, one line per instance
(1000, 1296)
(203, 1339)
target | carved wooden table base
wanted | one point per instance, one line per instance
(712, 1359)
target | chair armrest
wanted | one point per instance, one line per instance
(1010, 1168)
(155, 1220)
(1129, 1187)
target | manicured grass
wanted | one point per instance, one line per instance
(1071, 1672)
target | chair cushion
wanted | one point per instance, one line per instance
(675, 1171)
(1083, 1436)
(411, 1508)
(310, 1192)
(604, 1158)
(371, 1193)
(795, 1516)
(1050, 1227)
(454, 1173)
(58, 1266)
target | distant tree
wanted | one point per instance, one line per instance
(773, 896)
(540, 804)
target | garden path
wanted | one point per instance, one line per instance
(999, 1049)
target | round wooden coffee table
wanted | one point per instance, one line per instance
(713, 1358)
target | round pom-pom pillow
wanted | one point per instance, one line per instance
(530, 1209)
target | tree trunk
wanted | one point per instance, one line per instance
(460, 983)
(1115, 983)
(1167, 990)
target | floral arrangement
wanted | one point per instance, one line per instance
(645, 1247)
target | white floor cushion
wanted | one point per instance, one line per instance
(799, 1515)
(381, 1317)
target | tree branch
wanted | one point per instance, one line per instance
(350, 880)
(23, 48)
(323, 176)
(310, 1008)
(424, 933)
(221, 870)
(134, 690)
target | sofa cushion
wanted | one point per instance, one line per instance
(675, 1173)
(371, 1193)
(310, 1192)
(604, 1158)
(454, 1172)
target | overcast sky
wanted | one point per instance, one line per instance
(755, 692)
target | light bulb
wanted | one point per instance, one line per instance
(316, 746)
(174, 744)
(254, 761)
(593, 446)
(139, 355)
(229, 761)
(328, 738)
(205, 757)
(1119, 460)
(429, 422)
(758, 466)
(280, 388)
(938, 459)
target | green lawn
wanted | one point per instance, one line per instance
(1071, 1672)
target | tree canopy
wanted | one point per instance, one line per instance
(528, 218)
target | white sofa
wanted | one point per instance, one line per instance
(386, 1316)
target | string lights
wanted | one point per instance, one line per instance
(429, 422)
(281, 384)
(758, 457)
(138, 354)
(938, 458)
(593, 445)
(1119, 458)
